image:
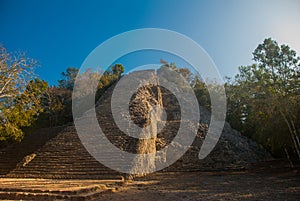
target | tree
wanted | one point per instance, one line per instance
(263, 100)
(54, 108)
(201, 92)
(19, 94)
(68, 78)
(109, 77)
(197, 84)
(15, 72)
(117, 69)
(59, 99)
(21, 111)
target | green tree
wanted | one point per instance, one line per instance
(199, 87)
(59, 102)
(263, 100)
(22, 111)
(68, 78)
(201, 92)
(109, 77)
(54, 105)
(20, 94)
(117, 69)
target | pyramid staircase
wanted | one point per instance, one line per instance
(57, 153)
(12, 155)
(63, 157)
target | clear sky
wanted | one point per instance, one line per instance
(61, 33)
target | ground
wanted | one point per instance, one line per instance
(260, 183)
(211, 186)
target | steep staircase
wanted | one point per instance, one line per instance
(63, 157)
(13, 154)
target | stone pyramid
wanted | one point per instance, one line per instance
(63, 155)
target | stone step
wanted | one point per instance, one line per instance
(53, 165)
(80, 191)
(13, 154)
(62, 171)
(78, 162)
(60, 190)
(68, 172)
(100, 176)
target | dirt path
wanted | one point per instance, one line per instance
(211, 186)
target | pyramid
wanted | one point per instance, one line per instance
(63, 155)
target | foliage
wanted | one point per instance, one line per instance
(20, 94)
(117, 69)
(108, 78)
(68, 78)
(55, 104)
(199, 87)
(21, 111)
(57, 101)
(201, 92)
(263, 99)
(15, 72)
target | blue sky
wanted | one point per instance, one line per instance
(60, 34)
